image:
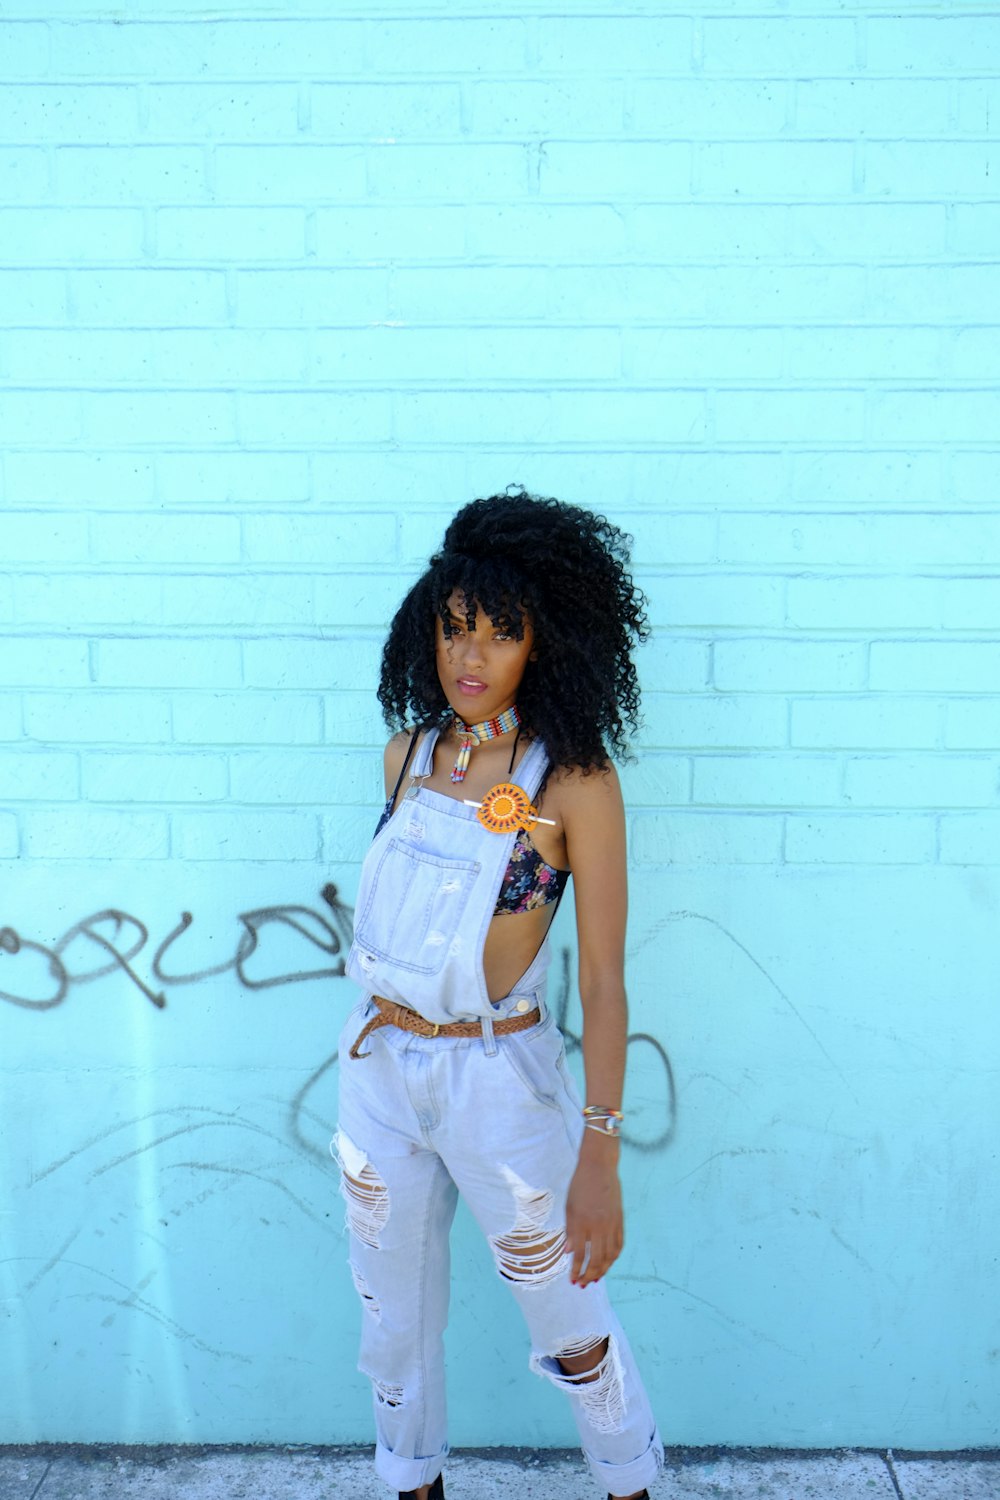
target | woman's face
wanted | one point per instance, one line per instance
(480, 670)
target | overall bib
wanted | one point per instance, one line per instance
(496, 1118)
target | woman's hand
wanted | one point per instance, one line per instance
(595, 1227)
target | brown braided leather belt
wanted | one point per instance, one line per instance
(391, 1014)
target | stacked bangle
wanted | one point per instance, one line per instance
(607, 1121)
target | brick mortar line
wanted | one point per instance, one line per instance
(867, 384)
(374, 79)
(516, 140)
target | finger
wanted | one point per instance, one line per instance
(609, 1254)
(577, 1245)
(597, 1263)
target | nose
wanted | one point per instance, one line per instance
(472, 652)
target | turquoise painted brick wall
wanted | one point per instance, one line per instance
(278, 291)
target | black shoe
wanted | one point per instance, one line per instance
(437, 1491)
(643, 1496)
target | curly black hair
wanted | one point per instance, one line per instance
(564, 567)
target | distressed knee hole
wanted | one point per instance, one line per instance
(368, 1299)
(529, 1253)
(364, 1192)
(386, 1394)
(597, 1383)
(583, 1358)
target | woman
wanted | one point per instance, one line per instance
(512, 656)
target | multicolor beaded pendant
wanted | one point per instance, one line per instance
(474, 734)
(505, 807)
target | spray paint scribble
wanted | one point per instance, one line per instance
(108, 941)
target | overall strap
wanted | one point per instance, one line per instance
(529, 773)
(424, 763)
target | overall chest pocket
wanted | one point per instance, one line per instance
(413, 905)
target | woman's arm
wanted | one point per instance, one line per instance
(593, 818)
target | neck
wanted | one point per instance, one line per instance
(491, 729)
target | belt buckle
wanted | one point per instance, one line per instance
(437, 1028)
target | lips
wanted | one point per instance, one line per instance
(471, 685)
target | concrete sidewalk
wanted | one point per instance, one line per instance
(63, 1472)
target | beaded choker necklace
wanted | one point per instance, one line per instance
(474, 734)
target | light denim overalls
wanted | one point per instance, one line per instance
(496, 1118)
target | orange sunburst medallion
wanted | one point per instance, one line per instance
(506, 807)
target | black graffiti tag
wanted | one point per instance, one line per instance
(48, 973)
(11, 943)
(110, 940)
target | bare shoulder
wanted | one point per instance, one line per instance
(594, 791)
(591, 812)
(588, 809)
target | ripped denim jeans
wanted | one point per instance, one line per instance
(496, 1119)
